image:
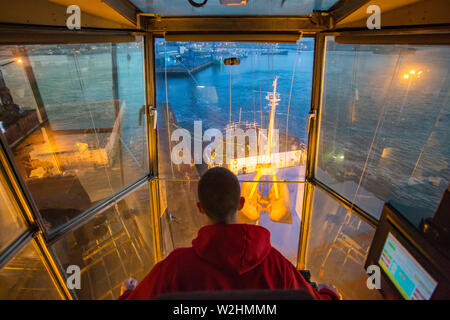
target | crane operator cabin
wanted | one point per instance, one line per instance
(334, 116)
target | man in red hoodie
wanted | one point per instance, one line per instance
(225, 255)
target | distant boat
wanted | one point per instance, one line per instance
(274, 52)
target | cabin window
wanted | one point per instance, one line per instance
(337, 248)
(214, 109)
(73, 117)
(11, 221)
(25, 277)
(385, 126)
(111, 247)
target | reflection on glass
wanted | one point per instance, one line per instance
(110, 248)
(337, 248)
(11, 221)
(249, 117)
(181, 220)
(26, 278)
(72, 114)
(385, 126)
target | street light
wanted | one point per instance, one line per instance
(18, 60)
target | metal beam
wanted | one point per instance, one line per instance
(240, 180)
(22, 35)
(394, 13)
(152, 144)
(429, 39)
(159, 24)
(150, 104)
(402, 30)
(313, 137)
(18, 244)
(53, 268)
(347, 204)
(346, 7)
(125, 8)
(278, 37)
(305, 226)
(418, 35)
(18, 186)
(316, 102)
(94, 13)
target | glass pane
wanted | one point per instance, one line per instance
(385, 126)
(215, 7)
(337, 248)
(11, 221)
(280, 214)
(73, 117)
(202, 99)
(110, 248)
(26, 278)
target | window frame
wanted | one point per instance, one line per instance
(315, 98)
(430, 36)
(36, 231)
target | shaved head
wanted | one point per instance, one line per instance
(219, 194)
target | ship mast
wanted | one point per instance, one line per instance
(273, 98)
(267, 168)
(277, 200)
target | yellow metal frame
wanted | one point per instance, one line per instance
(52, 268)
(271, 28)
(36, 230)
(152, 143)
(313, 138)
(26, 212)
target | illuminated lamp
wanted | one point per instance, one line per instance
(233, 2)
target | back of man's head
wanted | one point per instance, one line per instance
(219, 193)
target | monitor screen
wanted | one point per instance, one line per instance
(408, 276)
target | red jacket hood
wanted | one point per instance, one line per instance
(233, 247)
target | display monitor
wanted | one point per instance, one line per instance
(408, 276)
(411, 266)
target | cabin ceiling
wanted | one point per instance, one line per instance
(400, 13)
(183, 8)
(94, 13)
(123, 14)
